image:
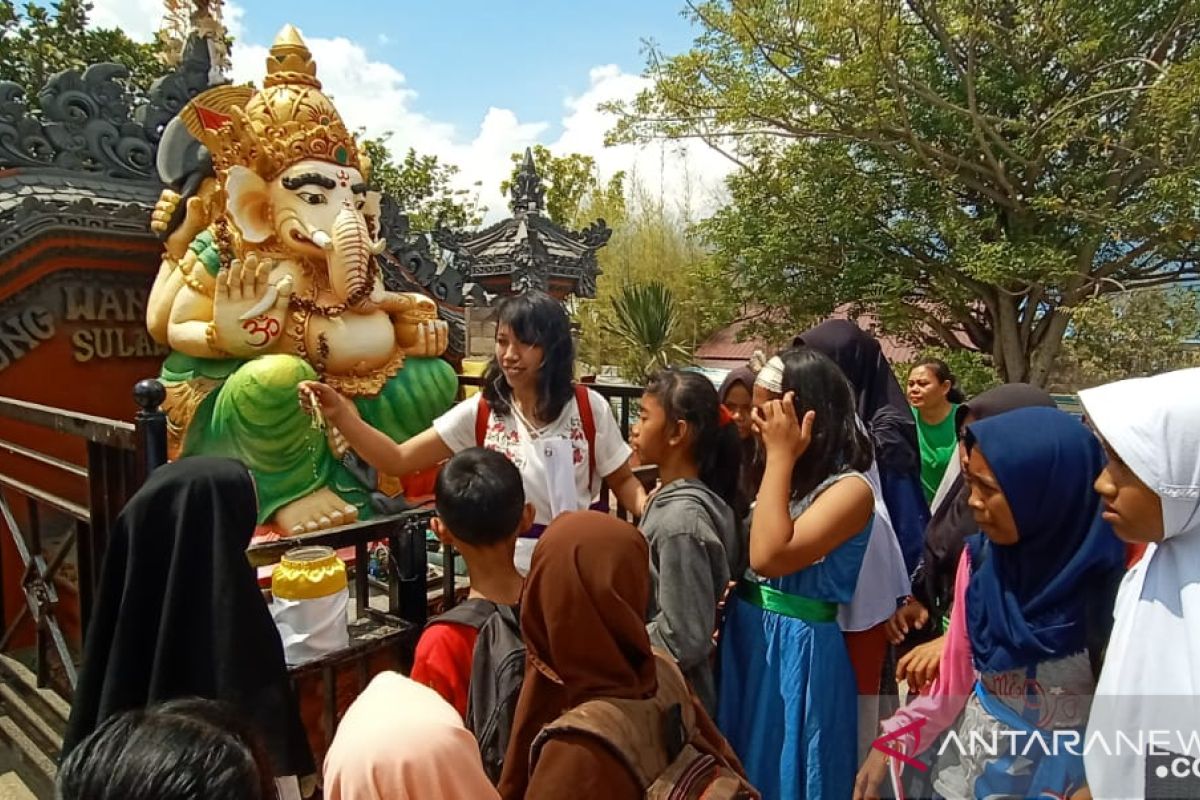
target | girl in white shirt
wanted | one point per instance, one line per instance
(533, 418)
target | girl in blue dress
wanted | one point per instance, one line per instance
(787, 694)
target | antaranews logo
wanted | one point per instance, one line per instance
(882, 744)
(1170, 776)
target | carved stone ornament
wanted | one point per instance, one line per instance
(528, 193)
(86, 124)
(528, 250)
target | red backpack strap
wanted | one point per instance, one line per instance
(584, 401)
(483, 416)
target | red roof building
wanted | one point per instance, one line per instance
(726, 349)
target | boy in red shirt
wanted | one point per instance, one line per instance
(481, 511)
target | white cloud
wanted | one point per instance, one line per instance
(375, 96)
(234, 16)
(139, 19)
(687, 175)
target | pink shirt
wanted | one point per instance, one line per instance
(943, 700)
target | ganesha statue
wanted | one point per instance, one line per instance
(270, 279)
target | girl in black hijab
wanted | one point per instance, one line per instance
(882, 408)
(179, 612)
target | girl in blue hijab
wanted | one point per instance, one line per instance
(1031, 584)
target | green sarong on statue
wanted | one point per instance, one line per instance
(255, 416)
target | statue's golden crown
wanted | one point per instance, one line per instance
(289, 120)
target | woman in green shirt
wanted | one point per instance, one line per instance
(934, 397)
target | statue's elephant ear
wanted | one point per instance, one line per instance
(249, 203)
(372, 204)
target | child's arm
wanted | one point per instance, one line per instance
(687, 609)
(376, 447)
(779, 546)
(932, 712)
(629, 490)
(942, 700)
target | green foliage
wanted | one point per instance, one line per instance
(971, 369)
(646, 318)
(972, 170)
(572, 182)
(650, 242)
(1129, 335)
(37, 42)
(421, 186)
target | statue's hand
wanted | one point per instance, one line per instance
(421, 339)
(423, 309)
(196, 217)
(248, 309)
(164, 209)
(407, 307)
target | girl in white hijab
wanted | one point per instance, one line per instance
(400, 740)
(1151, 677)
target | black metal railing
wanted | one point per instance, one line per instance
(407, 563)
(119, 456)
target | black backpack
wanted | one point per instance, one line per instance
(497, 671)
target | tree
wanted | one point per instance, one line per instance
(646, 318)
(1129, 335)
(421, 186)
(651, 241)
(973, 170)
(571, 181)
(36, 43)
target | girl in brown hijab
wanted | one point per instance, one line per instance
(583, 620)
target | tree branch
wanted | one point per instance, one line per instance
(940, 329)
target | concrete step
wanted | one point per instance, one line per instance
(33, 768)
(13, 788)
(32, 723)
(46, 703)
(25, 714)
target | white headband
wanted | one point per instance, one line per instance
(770, 377)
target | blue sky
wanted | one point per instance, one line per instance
(462, 57)
(473, 82)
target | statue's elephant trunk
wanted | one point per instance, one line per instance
(350, 258)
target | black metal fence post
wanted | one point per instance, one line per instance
(151, 425)
(408, 565)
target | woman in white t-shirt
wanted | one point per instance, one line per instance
(532, 417)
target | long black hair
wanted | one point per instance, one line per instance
(941, 371)
(716, 447)
(838, 440)
(536, 318)
(187, 749)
